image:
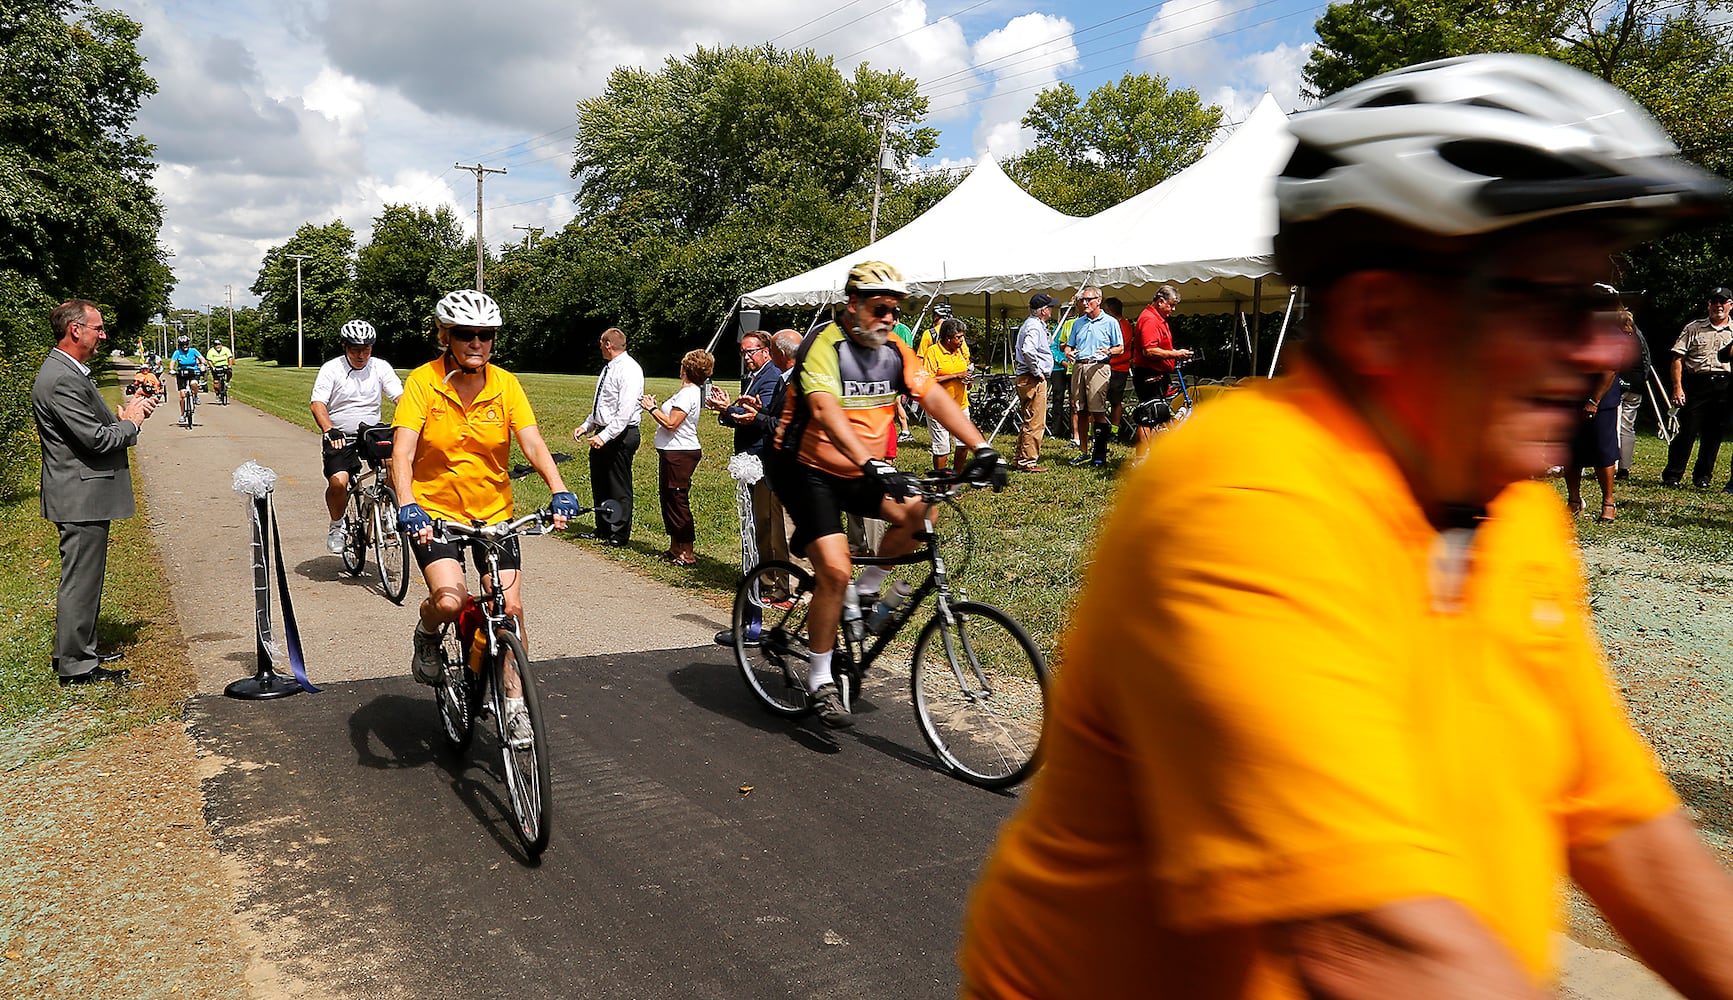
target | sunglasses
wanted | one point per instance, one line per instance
(881, 310)
(482, 335)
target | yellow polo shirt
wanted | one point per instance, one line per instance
(942, 362)
(1272, 708)
(462, 459)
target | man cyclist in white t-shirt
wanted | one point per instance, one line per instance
(346, 395)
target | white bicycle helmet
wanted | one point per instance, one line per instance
(1472, 145)
(183, 340)
(872, 277)
(467, 307)
(358, 332)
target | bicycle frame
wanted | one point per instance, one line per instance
(937, 582)
(485, 541)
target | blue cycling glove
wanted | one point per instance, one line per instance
(564, 504)
(411, 518)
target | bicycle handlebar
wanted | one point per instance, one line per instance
(502, 530)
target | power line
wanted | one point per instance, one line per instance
(834, 10)
(932, 90)
(888, 5)
(930, 24)
(1113, 65)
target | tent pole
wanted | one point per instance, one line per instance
(987, 321)
(1283, 335)
(711, 350)
(1233, 341)
(1257, 315)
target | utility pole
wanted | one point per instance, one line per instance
(230, 289)
(878, 172)
(535, 233)
(209, 312)
(481, 173)
(300, 357)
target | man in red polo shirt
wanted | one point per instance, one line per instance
(1153, 361)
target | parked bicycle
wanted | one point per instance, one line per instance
(977, 681)
(479, 653)
(370, 518)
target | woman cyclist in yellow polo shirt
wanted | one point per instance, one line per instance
(454, 424)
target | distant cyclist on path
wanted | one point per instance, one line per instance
(346, 394)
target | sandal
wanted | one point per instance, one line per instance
(1609, 510)
(1575, 507)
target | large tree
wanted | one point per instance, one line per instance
(400, 274)
(1673, 58)
(78, 214)
(326, 277)
(1128, 136)
(721, 171)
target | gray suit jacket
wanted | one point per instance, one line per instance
(84, 471)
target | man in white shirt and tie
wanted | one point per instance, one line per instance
(612, 430)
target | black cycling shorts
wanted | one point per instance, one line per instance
(510, 557)
(344, 459)
(184, 377)
(816, 500)
(1116, 389)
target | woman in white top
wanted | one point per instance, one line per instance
(678, 452)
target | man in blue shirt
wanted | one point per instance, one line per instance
(1095, 337)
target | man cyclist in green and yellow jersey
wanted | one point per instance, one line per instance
(222, 362)
(828, 455)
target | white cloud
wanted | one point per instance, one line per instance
(1021, 59)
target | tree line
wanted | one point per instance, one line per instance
(79, 216)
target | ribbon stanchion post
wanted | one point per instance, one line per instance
(255, 482)
(747, 470)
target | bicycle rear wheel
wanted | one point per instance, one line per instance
(526, 760)
(770, 635)
(390, 548)
(980, 691)
(355, 534)
(459, 695)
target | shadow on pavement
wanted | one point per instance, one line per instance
(720, 689)
(407, 729)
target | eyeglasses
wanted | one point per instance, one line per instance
(881, 310)
(1090, 298)
(484, 336)
(99, 328)
(750, 351)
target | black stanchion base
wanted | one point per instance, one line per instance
(263, 686)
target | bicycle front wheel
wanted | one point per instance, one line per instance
(980, 691)
(526, 754)
(459, 693)
(390, 547)
(355, 535)
(770, 635)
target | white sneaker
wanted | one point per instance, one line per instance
(336, 538)
(427, 665)
(518, 731)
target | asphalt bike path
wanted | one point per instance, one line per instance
(700, 847)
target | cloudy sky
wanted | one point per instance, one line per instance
(271, 114)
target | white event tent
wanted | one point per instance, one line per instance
(1208, 229)
(986, 211)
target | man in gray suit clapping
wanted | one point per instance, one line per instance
(85, 482)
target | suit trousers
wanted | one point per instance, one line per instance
(1706, 412)
(83, 562)
(611, 479)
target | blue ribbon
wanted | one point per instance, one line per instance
(291, 634)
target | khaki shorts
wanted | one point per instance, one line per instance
(943, 440)
(1089, 386)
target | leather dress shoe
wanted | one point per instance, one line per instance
(614, 543)
(96, 676)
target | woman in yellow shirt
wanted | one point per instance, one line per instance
(948, 359)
